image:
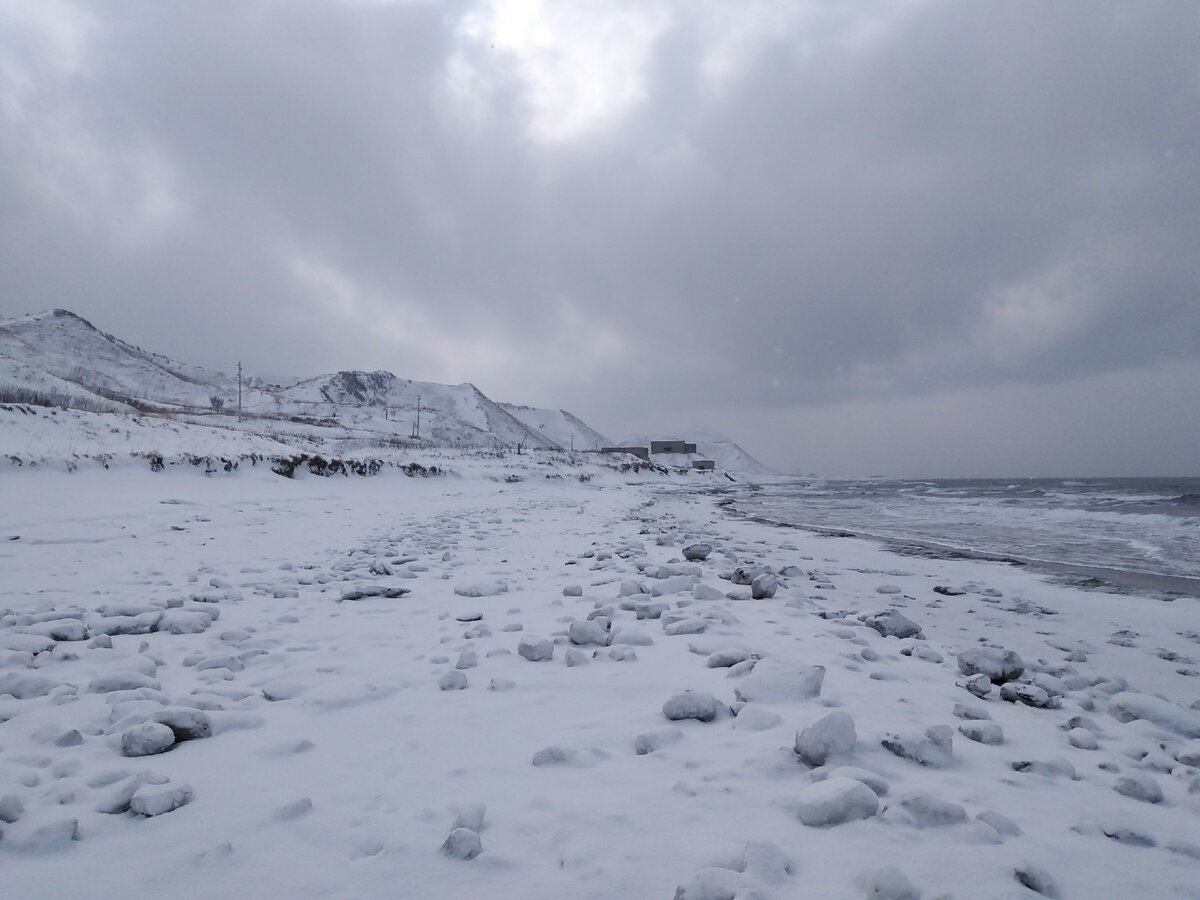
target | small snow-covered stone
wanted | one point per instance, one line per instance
(835, 801)
(697, 552)
(535, 649)
(294, 810)
(828, 736)
(470, 815)
(650, 609)
(1082, 739)
(998, 665)
(764, 586)
(584, 632)
(1003, 825)
(147, 739)
(651, 741)
(698, 705)
(934, 748)
(481, 589)
(873, 780)
(186, 724)
(454, 680)
(11, 808)
(972, 713)
(462, 843)
(573, 590)
(921, 809)
(156, 799)
(723, 659)
(713, 883)
(1037, 880)
(66, 630)
(556, 755)
(576, 657)
(982, 732)
(766, 862)
(1051, 768)
(892, 623)
(182, 621)
(631, 637)
(283, 688)
(468, 659)
(753, 717)
(122, 681)
(675, 584)
(1029, 694)
(1139, 786)
(778, 679)
(745, 575)
(704, 591)
(26, 687)
(979, 685)
(690, 625)
(888, 883)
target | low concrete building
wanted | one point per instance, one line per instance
(672, 447)
(706, 465)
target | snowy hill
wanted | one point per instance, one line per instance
(712, 444)
(559, 426)
(60, 359)
(55, 359)
(60, 344)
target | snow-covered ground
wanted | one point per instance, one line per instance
(317, 745)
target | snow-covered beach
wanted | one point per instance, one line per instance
(317, 745)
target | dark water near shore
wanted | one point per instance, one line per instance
(1133, 533)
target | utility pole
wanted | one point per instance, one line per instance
(239, 390)
(417, 426)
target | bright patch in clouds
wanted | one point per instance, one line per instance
(580, 65)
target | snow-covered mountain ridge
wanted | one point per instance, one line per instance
(59, 357)
(115, 398)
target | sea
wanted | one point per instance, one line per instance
(1138, 535)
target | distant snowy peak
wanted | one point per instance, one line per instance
(559, 426)
(728, 455)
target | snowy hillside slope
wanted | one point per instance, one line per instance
(62, 344)
(724, 451)
(450, 415)
(559, 426)
(67, 361)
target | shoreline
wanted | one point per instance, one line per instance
(1098, 578)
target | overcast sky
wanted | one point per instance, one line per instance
(911, 237)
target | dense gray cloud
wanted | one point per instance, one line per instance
(905, 237)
